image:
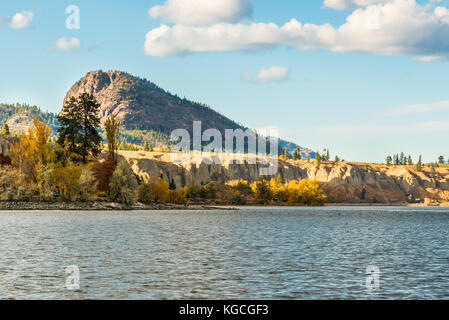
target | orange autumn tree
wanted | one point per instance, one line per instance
(33, 149)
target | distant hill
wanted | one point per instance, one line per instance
(19, 117)
(291, 146)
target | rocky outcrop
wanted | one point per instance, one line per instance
(343, 182)
(140, 104)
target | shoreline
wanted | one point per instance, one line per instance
(112, 206)
(97, 206)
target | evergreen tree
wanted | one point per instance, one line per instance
(419, 164)
(318, 158)
(396, 159)
(79, 122)
(297, 154)
(402, 158)
(409, 160)
(172, 185)
(286, 155)
(388, 160)
(440, 159)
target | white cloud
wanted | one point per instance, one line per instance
(348, 4)
(400, 27)
(64, 44)
(21, 20)
(416, 109)
(272, 74)
(202, 12)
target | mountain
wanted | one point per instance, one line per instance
(19, 117)
(148, 113)
(140, 104)
(146, 109)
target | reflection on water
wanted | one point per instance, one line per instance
(259, 253)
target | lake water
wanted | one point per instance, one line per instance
(256, 253)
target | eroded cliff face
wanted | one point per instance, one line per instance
(343, 182)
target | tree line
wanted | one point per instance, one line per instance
(402, 159)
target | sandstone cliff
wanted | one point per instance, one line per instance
(343, 182)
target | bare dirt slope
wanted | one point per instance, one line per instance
(344, 182)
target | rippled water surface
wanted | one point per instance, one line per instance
(260, 253)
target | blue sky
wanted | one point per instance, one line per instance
(364, 90)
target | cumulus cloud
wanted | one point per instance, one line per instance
(272, 74)
(64, 44)
(391, 28)
(21, 20)
(202, 12)
(416, 109)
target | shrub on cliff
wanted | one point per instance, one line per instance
(123, 185)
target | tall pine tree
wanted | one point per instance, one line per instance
(79, 121)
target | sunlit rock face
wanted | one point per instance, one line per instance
(343, 182)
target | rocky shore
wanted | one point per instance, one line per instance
(94, 205)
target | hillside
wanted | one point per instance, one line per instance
(142, 105)
(20, 116)
(146, 109)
